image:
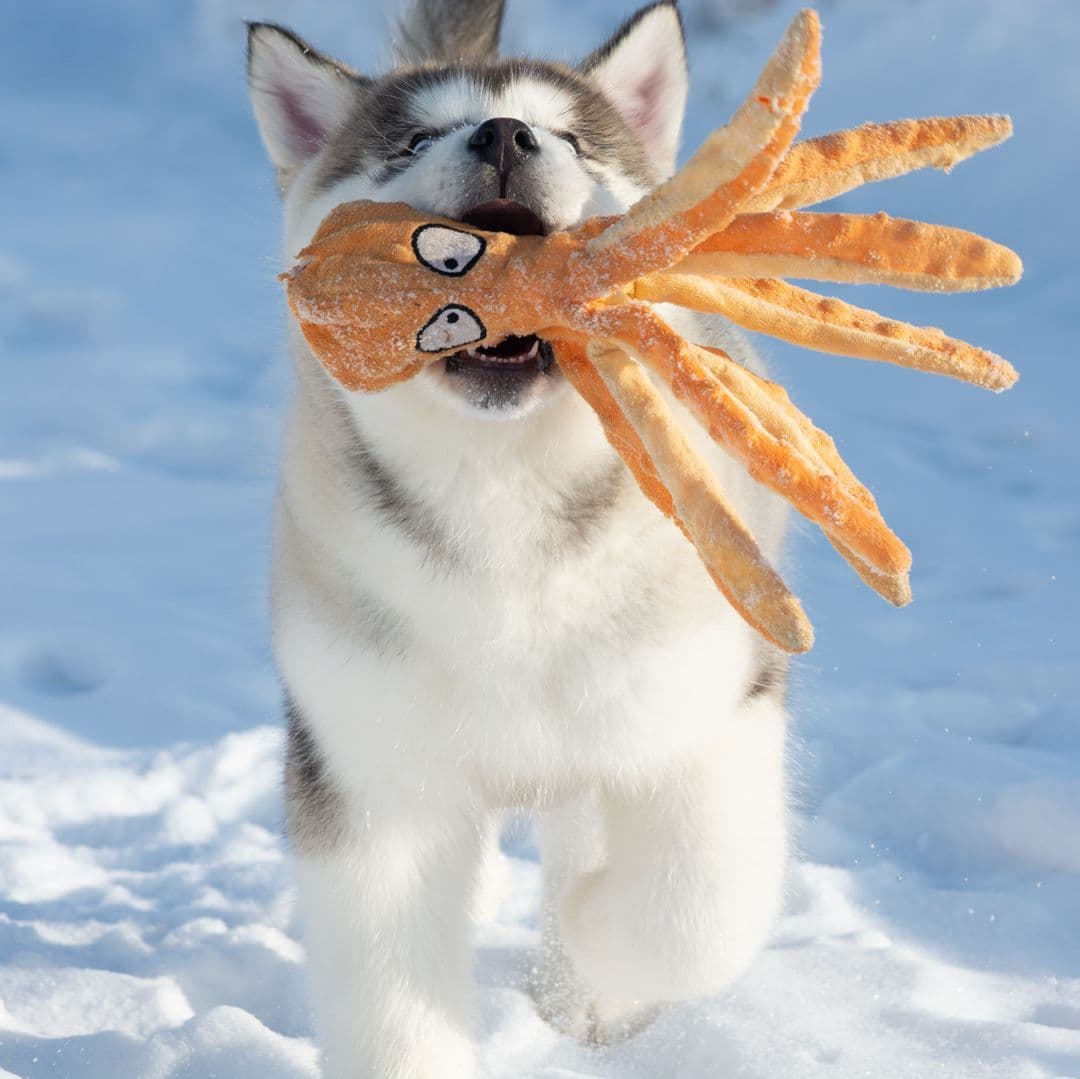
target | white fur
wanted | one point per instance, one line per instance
(602, 684)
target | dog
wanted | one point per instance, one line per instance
(474, 607)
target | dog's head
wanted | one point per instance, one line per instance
(511, 145)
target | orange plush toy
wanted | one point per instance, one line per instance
(717, 237)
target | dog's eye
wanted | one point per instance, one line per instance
(420, 143)
(453, 327)
(447, 251)
(571, 139)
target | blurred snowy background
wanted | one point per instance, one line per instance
(933, 927)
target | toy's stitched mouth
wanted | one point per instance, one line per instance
(515, 354)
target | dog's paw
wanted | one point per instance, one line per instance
(599, 1023)
(564, 1003)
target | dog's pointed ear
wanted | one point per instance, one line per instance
(300, 96)
(643, 71)
(449, 30)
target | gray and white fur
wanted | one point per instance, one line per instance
(475, 609)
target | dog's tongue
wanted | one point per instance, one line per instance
(505, 215)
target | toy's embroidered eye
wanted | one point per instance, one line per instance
(452, 327)
(447, 251)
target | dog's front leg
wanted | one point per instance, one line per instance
(691, 875)
(386, 908)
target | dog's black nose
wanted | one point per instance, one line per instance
(504, 143)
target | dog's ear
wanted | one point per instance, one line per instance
(449, 30)
(300, 96)
(643, 71)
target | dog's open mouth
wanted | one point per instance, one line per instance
(514, 355)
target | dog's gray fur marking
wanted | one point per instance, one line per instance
(583, 511)
(384, 632)
(449, 30)
(399, 508)
(771, 675)
(372, 626)
(314, 807)
(383, 122)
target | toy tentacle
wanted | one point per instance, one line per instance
(732, 165)
(774, 461)
(775, 410)
(830, 325)
(825, 167)
(893, 587)
(854, 249)
(772, 405)
(621, 433)
(726, 545)
(583, 376)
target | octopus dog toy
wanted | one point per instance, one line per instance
(383, 290)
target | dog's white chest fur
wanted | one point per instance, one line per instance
(522, 614)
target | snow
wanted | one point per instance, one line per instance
(146, 923)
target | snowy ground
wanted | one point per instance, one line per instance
(933, 928)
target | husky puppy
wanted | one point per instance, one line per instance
(474, 606)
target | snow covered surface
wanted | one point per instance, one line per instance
(933, 927)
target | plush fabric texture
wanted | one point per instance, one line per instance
(382, 291)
